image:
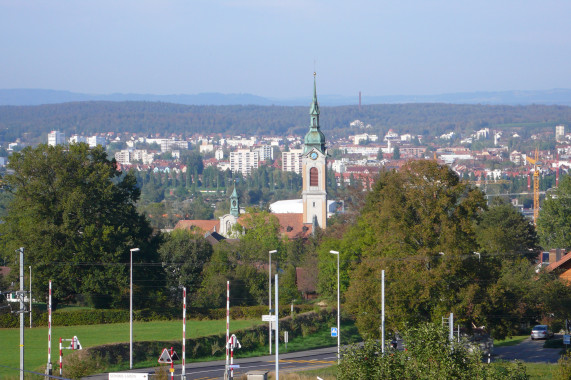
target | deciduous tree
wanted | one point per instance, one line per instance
(74, 213)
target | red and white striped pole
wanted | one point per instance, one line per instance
(60, 358)
(172, 367)
(183, 374)
(232, 356)
(227, 321)
(49, 365)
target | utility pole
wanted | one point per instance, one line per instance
(21, 313)
(30, 295)
(277, 333)
(270, 295)
(383, 311)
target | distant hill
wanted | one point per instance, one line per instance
(32, 123)
(27, 97)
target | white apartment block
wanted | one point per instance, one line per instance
(483, 133)
(123, 157)
(239, 141)
(167, 145)
(76, 139)
(391, 135)
(56, 138)
(516, 157)
(364, 150)
(363, 137)
(266, 152)
(219, 154)
(244, 161)
(126, 156)
(559, 133)
(93, 141)
(206, 148)
(339, 166)
(144, 156)
(291, 161)
(407, 137)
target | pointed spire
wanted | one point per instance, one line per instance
(234, 203)
(314, 105)
(314, 138)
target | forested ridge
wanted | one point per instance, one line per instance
(32, 123)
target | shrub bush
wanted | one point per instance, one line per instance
(98, 316)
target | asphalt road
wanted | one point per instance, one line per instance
(528, 351)
(302, 360)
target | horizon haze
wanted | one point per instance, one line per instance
(272, 48)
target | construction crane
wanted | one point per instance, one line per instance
(535, 162)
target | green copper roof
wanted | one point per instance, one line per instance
(234, 203)
(314, 138)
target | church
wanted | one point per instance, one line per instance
(298, 218)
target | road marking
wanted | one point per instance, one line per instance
(313, 361)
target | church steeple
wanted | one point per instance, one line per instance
(234, 204)
(314, 138)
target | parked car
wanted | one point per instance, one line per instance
(541, 332)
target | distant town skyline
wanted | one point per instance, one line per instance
(271, 47)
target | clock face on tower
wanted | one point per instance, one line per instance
(313, 155)
(234, 203)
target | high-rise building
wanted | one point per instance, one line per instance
(291, 161)
(56, 138)
(93, 141)
(244, 161)
(559, 133)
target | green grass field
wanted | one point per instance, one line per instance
(36, 339)
(510, 341)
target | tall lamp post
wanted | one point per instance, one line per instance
(270, 295)
(338, 310)
(131, 308)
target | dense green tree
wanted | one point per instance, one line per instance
(554, 221)
(417, 224)
(261, 234)
(183, 255)
(75, 216)
(504, 230)
(217, 271)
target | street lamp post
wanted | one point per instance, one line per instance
(338, 310)
(270, 295)
(131, 307)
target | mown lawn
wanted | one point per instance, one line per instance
(510, 341)
(36, 339)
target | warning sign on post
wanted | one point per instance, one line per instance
(165, 357)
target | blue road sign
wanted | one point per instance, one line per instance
(334, 332)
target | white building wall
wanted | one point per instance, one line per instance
(244, 161)
(123, 157)
(56, 138)
(93, 141)
(291, 161)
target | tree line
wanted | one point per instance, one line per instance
(32, 123)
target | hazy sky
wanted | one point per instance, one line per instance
(271, 47)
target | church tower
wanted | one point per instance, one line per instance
(234, 205)
(314, 161)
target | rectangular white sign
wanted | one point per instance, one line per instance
(268, 318)
(128, 376)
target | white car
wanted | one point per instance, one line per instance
(541, 332)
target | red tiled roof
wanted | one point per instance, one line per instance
(558, 264)
(204, 225)
(292, 225)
